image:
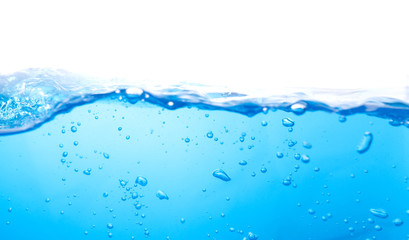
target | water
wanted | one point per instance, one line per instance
(132, 164)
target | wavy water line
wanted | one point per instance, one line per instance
(33, 97)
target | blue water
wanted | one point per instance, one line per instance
(109, 164)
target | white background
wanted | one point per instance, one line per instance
(264, 44)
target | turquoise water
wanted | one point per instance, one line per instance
(110, 164)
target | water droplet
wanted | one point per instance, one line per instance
(305, 158)
(141, 181)
(73, 129)
(264, 123)
(243, 162)
(119, 128)
(65, 154)
(307, 144)
(299, 108)
(47, 200)
(365, 143)
(398, 222)
(161, 195)
(310, 211)
(287, 122)
(110, 226)
(209, 134)
(263, 170)
(182, 220)
(187, 140)
(75, 143)
(379, 212)
(127, 137)
(297, 156)
(105, 194)
(279, 154)
(87, 172)
(9, 210)
(106, 155)
(220, 174)
(317, 169)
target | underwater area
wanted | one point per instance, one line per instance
(116, 165)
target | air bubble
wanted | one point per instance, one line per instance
(87, 172)
(287, 122)
(365, 143)
(220, 174)
(378, 228)
(106, 155)
(73, 129)
(263, 170)
(264, 123)
(243, 162)
(161, 195)
(306, 144)
(141, 181)
(298, 108)
(287, 181)
(305, 158)
(379, 213)
(209, 134)
(398, 222)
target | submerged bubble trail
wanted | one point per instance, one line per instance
(220, 174)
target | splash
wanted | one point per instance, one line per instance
(32, 97)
